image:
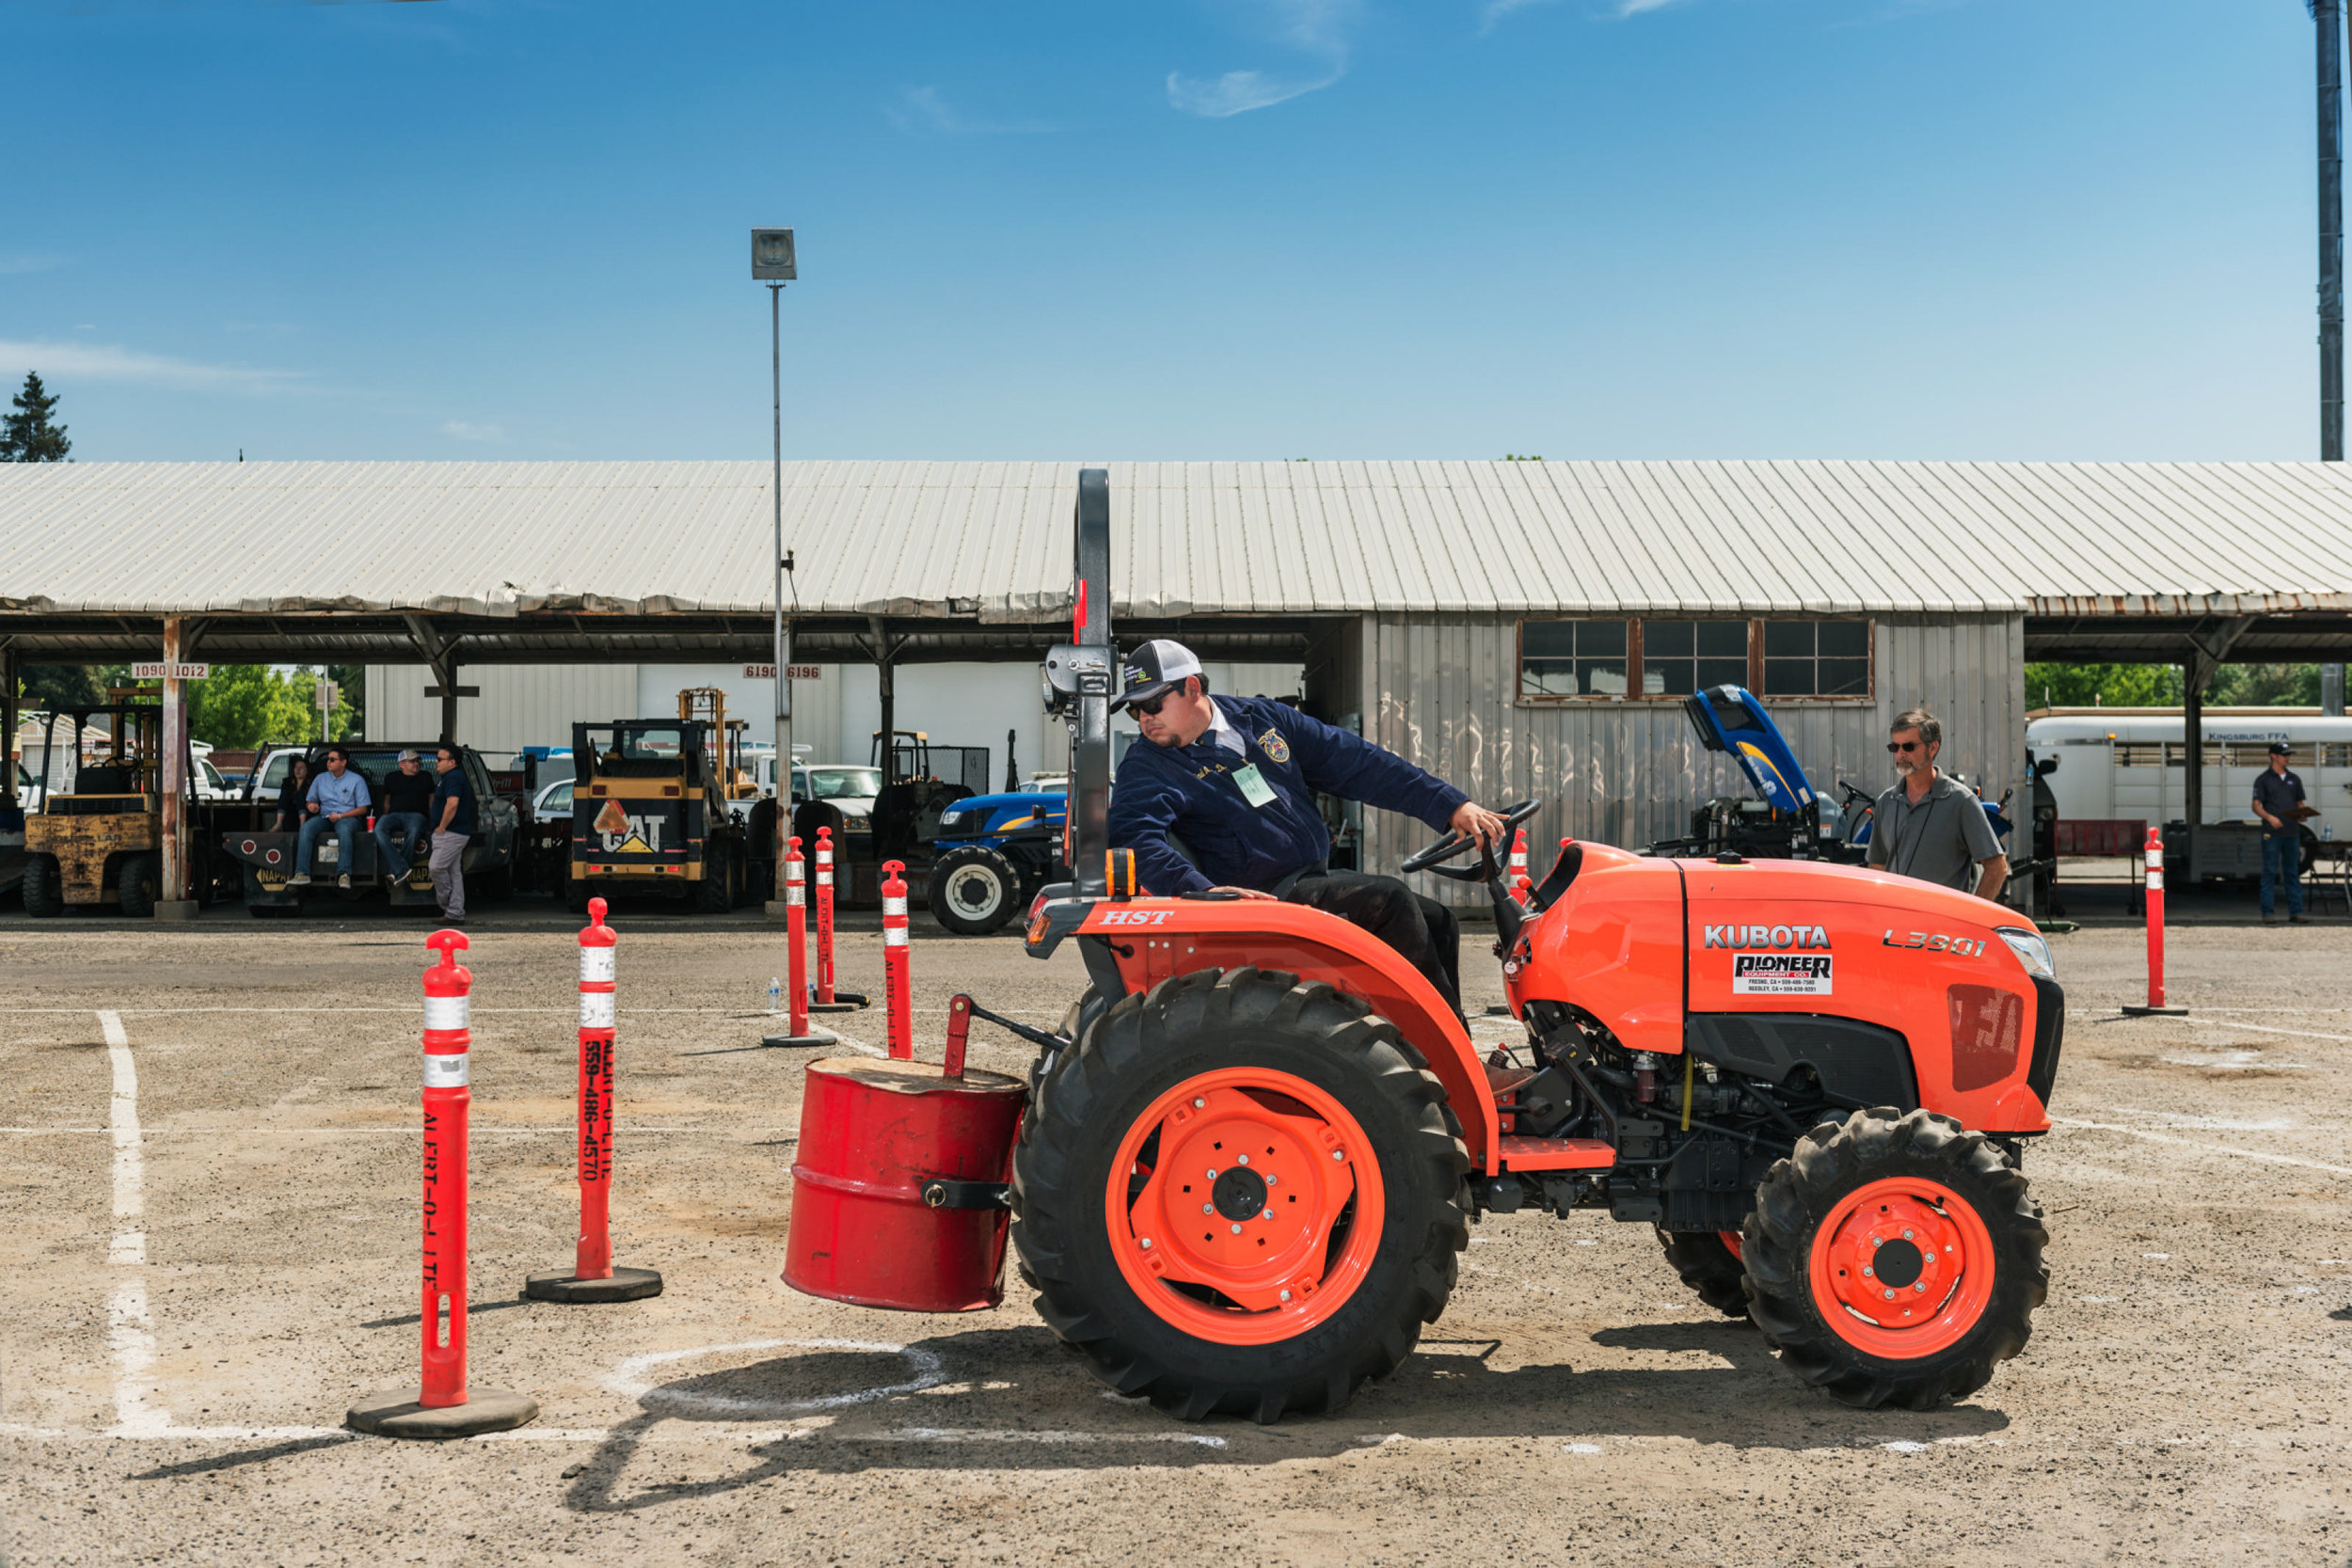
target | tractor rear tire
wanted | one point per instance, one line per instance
(136, 882)
(975, 891)
(1709, 1265)
(44, 888)
(1895, 1259)
(714, 894)
(1339, 1113)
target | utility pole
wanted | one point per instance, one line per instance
(775, 263)
(2327, 16)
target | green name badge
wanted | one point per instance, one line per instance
(1253, 787)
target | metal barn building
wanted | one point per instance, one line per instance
(1524, 628)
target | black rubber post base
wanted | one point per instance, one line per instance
(397, 1414)
(843, 1002)
(624, 1285)
(815, 1037)
(2155, 1012)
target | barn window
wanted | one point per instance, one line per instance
(1572, 658)
(1679, 657)
(1816, 658)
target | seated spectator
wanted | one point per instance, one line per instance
(338, 798)
(293, 794)
(407, 794)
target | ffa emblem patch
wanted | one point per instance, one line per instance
(1273, 746)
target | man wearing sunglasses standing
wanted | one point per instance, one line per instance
(1932, 825)
(1232, 779)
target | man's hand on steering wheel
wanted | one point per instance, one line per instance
(1474, 821)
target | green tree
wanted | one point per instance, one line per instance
(51, 686)
(2103, 685)
(2265, 686)
(351, 710)
(245, 705)
(29, 435)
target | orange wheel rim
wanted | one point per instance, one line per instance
(1245, 1206)
(1902, 1267)
(1731, 1244)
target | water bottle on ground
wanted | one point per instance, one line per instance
(775, 993)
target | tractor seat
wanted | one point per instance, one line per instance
(109, 779)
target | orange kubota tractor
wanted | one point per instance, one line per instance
(1248, 1159)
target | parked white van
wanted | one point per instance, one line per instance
(2129, 764)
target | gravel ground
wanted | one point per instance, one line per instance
(2184, 1397)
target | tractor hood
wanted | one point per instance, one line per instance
(988, 815)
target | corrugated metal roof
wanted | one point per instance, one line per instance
(910, 539)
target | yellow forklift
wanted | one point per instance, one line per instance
(654, 807)
(99, 839)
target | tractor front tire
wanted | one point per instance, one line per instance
(44, 888)
(136, 882)
(1329, 1164)
(714, 894)
(1895, 1259)
(974, 891)
(1709, 1262)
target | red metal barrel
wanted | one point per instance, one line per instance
(898, 1192)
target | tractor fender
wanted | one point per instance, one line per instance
(1157, 938)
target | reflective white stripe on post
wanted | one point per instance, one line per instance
(2156, 879)
(446, 1012)
(894, 906)
(446, 1072)
(792, 870)
(824, 876)
(596, 963)
(595, 1009)
(893, 936)
(792, 894)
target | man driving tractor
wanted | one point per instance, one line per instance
(1223, 800)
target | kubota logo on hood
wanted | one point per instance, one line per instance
(1767, 936)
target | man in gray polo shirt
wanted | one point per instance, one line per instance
(1931, 826)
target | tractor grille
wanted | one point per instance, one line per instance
(2049, 1035)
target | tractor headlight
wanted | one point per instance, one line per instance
(2030, 949)
(949, 818)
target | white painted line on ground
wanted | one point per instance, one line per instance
(969, 1434)
(2207, 1124)
(130, 1329)
(630, 1377)
(1580, 1448)
(364, 1132)
(2209, 1148)
(2274, 1029)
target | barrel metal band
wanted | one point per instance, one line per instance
(447, 1072)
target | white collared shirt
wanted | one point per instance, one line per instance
(1221, 730)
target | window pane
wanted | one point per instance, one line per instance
(1546, 677)
(1845, 677)
(1788, 639)
(1845, 639)
(1724, 639)
(1547, 639)
(1602, 677)
(1654, 679)
(1666, 639)
(1788, 677)
(1600, 636)
(1723, 671)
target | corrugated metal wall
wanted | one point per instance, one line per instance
(1441, 690)
(522, 705)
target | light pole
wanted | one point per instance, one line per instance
(774, 264)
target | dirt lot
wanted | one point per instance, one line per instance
(2187, 1397)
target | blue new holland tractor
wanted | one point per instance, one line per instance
(990, 856)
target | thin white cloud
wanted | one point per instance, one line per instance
(113, 362)
(1316, 27)
(925, 110)
(1635, 8)
(467, 432)
(1237, 92)
(1495, 10)
(24, 261)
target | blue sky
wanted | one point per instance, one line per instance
(1166, 229)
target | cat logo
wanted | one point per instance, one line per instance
(623, 834)
(1273, 746)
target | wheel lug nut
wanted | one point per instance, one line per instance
(1236, 1230)
(1339, 1154)
(1242, 1160)
(1272, 1182)
(1906, 1235)
(1200, 1104)
(1286, 1295)
(1890, 1295)
(1919, 1289)
(1208, 1208)
(1212, 1173)
(1866, 1274)
(1147, 1243)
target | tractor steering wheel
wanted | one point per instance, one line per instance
(1453, 844)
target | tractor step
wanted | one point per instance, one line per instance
(1520, 1154)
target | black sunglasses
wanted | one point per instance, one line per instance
(1151, 708)
(1902, 745)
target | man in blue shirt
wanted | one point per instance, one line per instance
(2278, 802)
(1233, 781)
(452, 825)
(337, 800)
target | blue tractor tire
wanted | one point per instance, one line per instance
(975, 891)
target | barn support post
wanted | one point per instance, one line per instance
(884, 667)
(8, 726)
(172, 900)
(2207, 648)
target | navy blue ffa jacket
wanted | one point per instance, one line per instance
(1191, 791)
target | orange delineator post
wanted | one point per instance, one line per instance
(796, 959)
(897, 999)
(594, 1278)
(447, 1118)
(2155, 934)
(444, 1405)
(827, 1000)
(1518, 878)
